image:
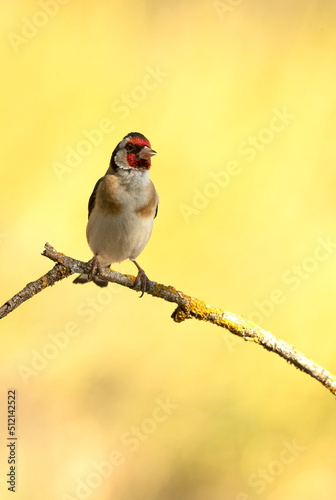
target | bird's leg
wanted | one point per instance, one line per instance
(141, 280)
(95, 267)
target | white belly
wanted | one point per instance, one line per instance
(118, 237)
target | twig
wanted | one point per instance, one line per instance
(187, 307)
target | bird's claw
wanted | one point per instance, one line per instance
(94, 269)
(141, 282)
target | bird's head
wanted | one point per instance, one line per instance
(134, 152)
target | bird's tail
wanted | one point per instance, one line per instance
(84, 278)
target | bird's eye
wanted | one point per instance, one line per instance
(130, 147)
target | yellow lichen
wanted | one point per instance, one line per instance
(44, 282)
(179, 315)
(131, 277)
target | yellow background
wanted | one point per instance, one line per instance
(224, 70)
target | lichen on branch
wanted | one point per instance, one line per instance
(188, 307)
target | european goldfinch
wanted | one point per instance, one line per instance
(122, 208)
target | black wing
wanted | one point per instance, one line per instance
(156, 211)
(92, 199)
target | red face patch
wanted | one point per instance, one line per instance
(132, 158)
(137, 141)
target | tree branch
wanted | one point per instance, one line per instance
(187, 307)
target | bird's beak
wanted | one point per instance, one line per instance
(146, 153)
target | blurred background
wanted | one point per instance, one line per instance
(115, 400)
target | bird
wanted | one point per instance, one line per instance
(122, 209)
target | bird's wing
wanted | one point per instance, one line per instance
(157, 209)
(92, 199)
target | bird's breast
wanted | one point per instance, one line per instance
(121, 221)
(114, 196)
